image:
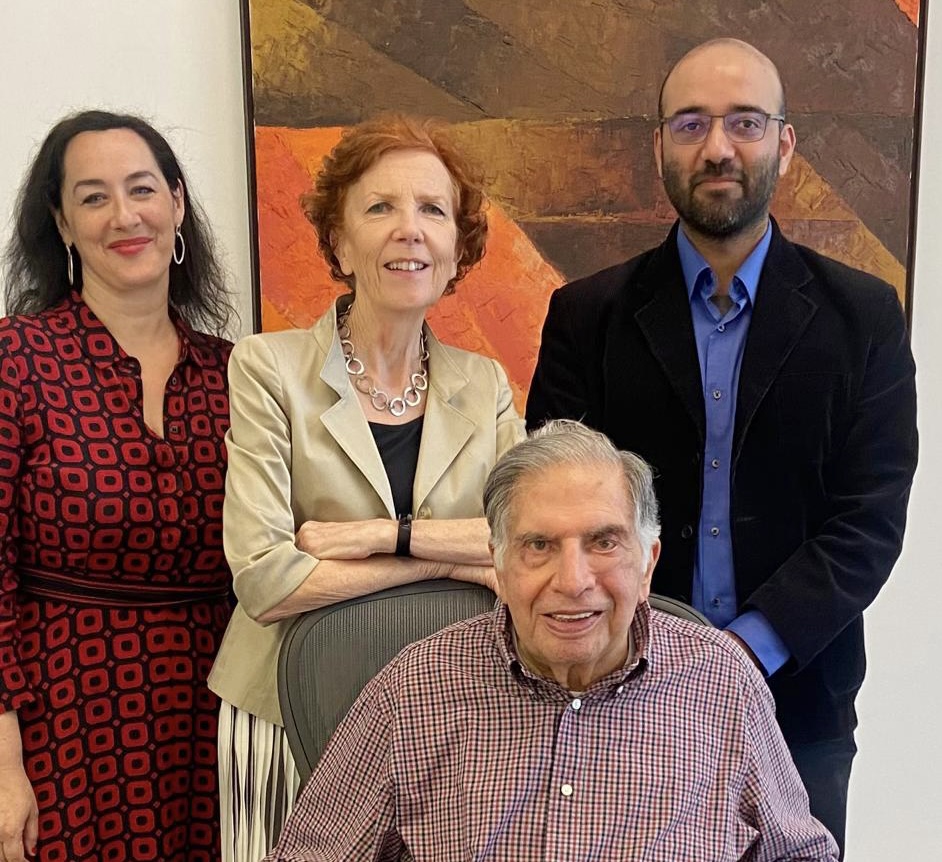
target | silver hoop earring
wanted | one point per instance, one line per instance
(178, 257)
(69, 265)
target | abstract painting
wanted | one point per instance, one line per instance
(556, 100)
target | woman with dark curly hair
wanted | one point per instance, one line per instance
(114, 589)
(359, 448)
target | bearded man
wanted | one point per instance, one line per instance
(772, 390)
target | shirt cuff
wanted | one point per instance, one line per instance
(757, 632)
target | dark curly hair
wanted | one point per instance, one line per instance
(35, 275)
(359, 149)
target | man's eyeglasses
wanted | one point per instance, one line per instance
(743, 127)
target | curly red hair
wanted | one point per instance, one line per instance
(359, 149)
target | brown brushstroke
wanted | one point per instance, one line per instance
(499, 308)
(307, 72)
(848, 68)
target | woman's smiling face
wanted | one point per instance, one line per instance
(118, 211)
(399, 238)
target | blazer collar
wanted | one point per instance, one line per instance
(664, 320)
(445, 429)
(780, 315)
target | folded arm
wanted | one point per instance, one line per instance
(332, 581)
(279, 573)
(458, 540)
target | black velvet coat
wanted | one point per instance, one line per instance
(824, 445)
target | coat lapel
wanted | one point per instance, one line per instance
(344, 420)
(780, 316)
(666, 324)
(445, 429)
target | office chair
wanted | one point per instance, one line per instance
(330, 654)
(677, 609)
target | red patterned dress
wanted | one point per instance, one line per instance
(114, 591)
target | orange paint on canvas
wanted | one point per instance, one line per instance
(910, 8)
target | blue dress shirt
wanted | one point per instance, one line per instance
(721, 339)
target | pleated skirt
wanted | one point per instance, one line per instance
(258, 784)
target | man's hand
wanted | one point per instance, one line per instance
(484, 575)
(19, 815)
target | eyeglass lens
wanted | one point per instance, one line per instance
(740, 126)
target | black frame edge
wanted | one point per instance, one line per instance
(248, 104)
(922, 31)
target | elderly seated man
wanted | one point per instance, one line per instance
(573, 722)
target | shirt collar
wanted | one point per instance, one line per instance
(694, 265)
(100, 346)
(638, 638)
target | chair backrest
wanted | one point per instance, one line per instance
(678, 609)
(330, 654)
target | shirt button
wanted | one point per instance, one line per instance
(722, 327)
(714, 531)
(566, 790)
(620, 690)
(715, 463)
(717, 394)
(715, 603)
(576, 704)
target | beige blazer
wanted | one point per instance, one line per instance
(301, 449)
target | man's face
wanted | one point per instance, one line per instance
(719, 187)
(573, 572)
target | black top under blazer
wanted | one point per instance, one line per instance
(824, 445)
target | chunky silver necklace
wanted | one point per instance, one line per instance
(411, 395)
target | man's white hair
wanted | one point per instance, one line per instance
(565, 441)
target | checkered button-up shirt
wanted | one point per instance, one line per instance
(456, 752)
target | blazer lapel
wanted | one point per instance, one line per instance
(667, 326)
(780, 316)
(445, 429)
(344, 420)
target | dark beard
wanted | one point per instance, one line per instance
(719, 218)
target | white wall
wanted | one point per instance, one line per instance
(176, 62)
(179, 63)
(896, 800)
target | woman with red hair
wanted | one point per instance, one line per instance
(359, 448)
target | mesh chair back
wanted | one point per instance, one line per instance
(677, 609)
(330, 654)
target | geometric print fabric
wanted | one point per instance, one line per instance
(114, 591)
